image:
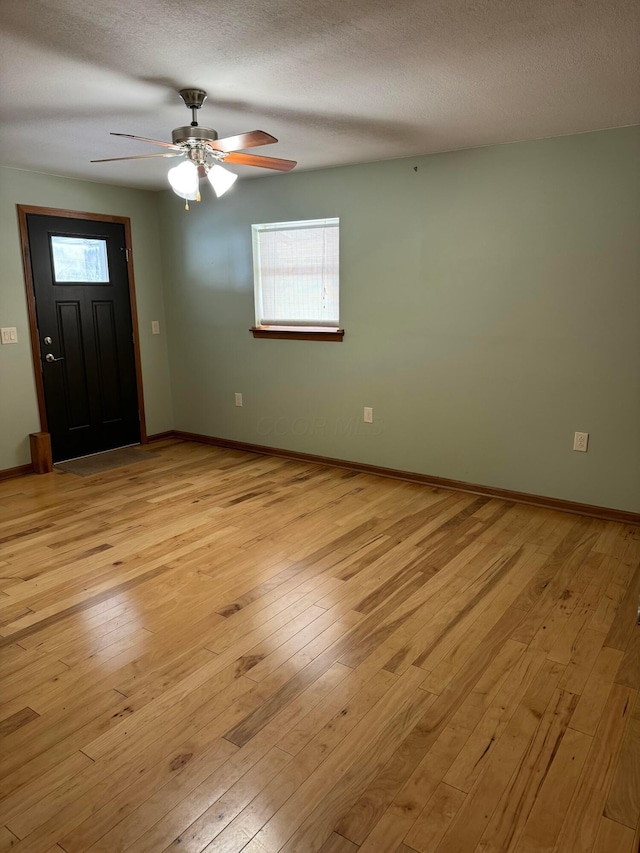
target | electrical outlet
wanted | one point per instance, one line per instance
(581, 441)
(9, 336)
(368, 415)
(155, 327)
(238, 399)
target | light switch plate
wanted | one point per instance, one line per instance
(9, 335)
(155, 327)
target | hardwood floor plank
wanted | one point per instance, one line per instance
(405, 809)
(7, 839)
(36, 622)
(369, 807)
(242, 732)
(16, 721)
(135, 809)
(472, 820)
(629, 670)
(487, 614)
(623, 626)
(162, 760)
(337, 844)
(337, 706)
(540, 596)
(596, 691)
(308, 815)
(544, 821)
(433, 821)
(582, 820)
(614, 838)
(221, 812)
(223, 651)
(495, 573)
(609, 603)
(188, 799)
(63, 732)
(623, 802)
(482, 742)
(583, 657)
(29, 677)
(30, 798)
(516, 803)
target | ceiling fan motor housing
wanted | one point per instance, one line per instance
(193, 134)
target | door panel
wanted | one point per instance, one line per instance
(108, 364)
(68, 381)
(80, 279)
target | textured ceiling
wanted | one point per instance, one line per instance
(337, 82)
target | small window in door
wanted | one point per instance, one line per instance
(81, 260)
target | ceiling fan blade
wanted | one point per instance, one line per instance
(135, 157)
(264, 162)
(243, 140)
(152, 141)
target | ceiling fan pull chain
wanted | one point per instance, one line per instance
(186, 204)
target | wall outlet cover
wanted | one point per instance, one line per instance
(581, 441)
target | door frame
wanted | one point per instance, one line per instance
(23, 211)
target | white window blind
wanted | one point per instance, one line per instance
(296, 273)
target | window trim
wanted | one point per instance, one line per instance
(294, 330)
(298, 333)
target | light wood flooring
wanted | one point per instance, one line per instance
(219, 651)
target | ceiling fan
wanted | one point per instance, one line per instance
(203, 153)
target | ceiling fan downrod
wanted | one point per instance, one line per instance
(193, 133)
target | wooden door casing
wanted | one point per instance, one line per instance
(101, 313)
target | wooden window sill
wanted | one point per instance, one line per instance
(297, 333)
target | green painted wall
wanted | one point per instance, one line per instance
(491, 302)
(18, 406)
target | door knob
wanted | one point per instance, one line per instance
(50, 357)
(48, 340)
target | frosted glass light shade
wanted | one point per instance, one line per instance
(221, 179)
(184, 179)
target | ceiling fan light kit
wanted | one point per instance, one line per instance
(205, 153)
(184, 181)
(221, 179)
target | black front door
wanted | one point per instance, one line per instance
(83, 310)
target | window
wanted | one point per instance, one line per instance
(296, 279)
(81, 260)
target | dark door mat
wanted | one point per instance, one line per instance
(101, 462)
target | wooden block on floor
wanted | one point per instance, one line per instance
(41, 457)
